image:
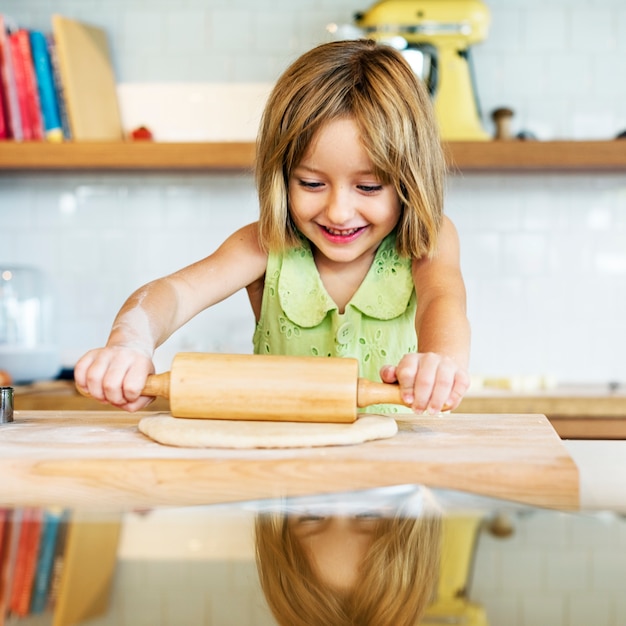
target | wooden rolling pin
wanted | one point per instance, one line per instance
(267, 388)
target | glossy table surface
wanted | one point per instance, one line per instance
(394, 553)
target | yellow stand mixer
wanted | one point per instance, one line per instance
(435, 36)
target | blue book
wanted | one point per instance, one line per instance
(45, 561)
(58, 88)
(45, 85)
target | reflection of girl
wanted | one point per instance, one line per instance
(317, 569)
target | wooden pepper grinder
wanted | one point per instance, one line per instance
(502, 119)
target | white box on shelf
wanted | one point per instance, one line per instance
(194, 111)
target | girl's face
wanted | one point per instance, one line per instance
(335, 546)
(336, 201)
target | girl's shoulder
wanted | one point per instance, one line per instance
(246, 239)
(242, 250)
(250, 232)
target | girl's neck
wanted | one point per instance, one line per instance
(342, 280)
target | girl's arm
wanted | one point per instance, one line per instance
(437, 376)
(117, 372)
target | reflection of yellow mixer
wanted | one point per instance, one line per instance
(452, 604)
(435, 37)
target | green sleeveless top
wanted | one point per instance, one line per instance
(299, 318)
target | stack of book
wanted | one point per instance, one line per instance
(32, 548)
(57, 86)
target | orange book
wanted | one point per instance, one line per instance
(26, 561)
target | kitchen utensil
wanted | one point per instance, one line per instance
(273, 388)
(6, 405)
(502, 118)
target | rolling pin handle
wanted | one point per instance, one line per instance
(368, 392)
(157, 385)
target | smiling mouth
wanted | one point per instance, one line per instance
(345, 232)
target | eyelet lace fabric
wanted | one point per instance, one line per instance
(299, 318)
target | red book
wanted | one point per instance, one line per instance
(28, 96)
(26, 561)
(4, 522)
(5, 541)
(5, 128)
(7, 85)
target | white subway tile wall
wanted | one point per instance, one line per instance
(556, 568)
(544, 255)
(99, 237)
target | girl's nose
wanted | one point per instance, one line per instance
(339, 208)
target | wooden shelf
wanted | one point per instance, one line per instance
(129, 156)
(487, 156)
(584, 414)
(537, 156)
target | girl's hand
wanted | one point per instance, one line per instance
(428, 381)
(116, 375)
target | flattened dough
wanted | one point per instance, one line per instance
(238, 434)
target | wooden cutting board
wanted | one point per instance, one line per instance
(99, 460)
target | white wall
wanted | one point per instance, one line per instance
(544, 256)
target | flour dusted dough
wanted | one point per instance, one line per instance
(205, 433)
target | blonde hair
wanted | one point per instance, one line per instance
(396, 580)
(373, 85)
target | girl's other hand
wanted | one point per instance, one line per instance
(116, 375)
(428, 382)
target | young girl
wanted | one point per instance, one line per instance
(351, 255)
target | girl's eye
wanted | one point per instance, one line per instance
(309, 185)
(307, 519)
(370, 188)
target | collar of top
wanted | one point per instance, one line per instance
(383, 295)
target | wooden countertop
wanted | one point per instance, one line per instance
(99, 460)
(576, 412)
